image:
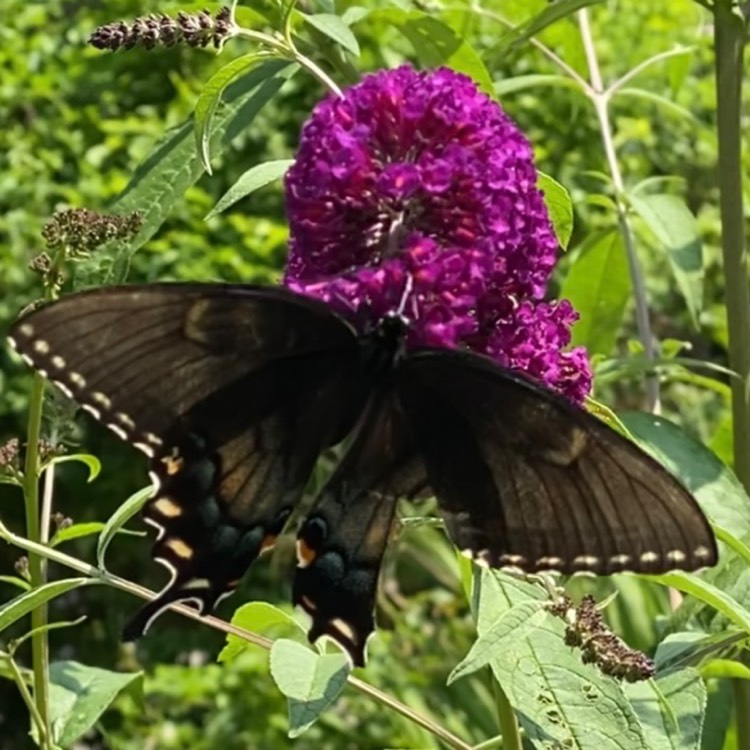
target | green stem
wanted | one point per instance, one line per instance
(600, 99)
(41, 727)
(37, 563)
(445, 736)
(729, 44)
(507, 719)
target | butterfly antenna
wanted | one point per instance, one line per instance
(408, 287)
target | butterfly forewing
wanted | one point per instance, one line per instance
(232, 391)
(524, 479)
(341, 544)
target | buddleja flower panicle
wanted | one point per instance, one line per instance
(158, 29)
(420, 175)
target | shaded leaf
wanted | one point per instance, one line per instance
(80, 694)
(310, 681)
(598, 286)
(16, 581)
(255, 178)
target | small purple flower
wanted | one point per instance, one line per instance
(420, 174)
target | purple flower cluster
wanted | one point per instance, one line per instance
(419, 175)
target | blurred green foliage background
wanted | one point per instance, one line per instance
(76, 123)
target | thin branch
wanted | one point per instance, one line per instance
(631, 74)
(450, 739)
(599, 100)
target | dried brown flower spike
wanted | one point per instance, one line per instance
(159, 30)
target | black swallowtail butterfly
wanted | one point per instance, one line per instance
(233, 392)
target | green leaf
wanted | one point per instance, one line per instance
(553, 13)
(735, 544)
(118, 519)
(46, 628)
(662, 101)
(676, 229)
(256, 177)
(559, 206)
(210, 97)
(161, 180)
(310, 681)
(79, 695)
(436, 44)
(558, 700)
(92, 462)
(689, 583)
(78, 530)
(16, 608)
(714, 485)
(512, 624)
(15, 581)
(598, 285)
(685, 695)
(258, 617)
(725, 669)
(520, 83)
(335, 29)
(694, 649)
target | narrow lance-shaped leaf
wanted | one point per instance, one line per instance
(119, 518)
(253, 179)
(24, 603)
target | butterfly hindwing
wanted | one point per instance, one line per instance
(232, 391)
(525, 479)
(340, 545)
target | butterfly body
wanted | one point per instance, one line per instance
(233, 392)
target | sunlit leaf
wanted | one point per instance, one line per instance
(556, 697)
(261, 618)
(676, 229)
(92, 462)
(678, 725)
(335, 29)
(310, 681)
(437, 44)
(211, 96)
(118, 519)
(559, 206)
(253, 179)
